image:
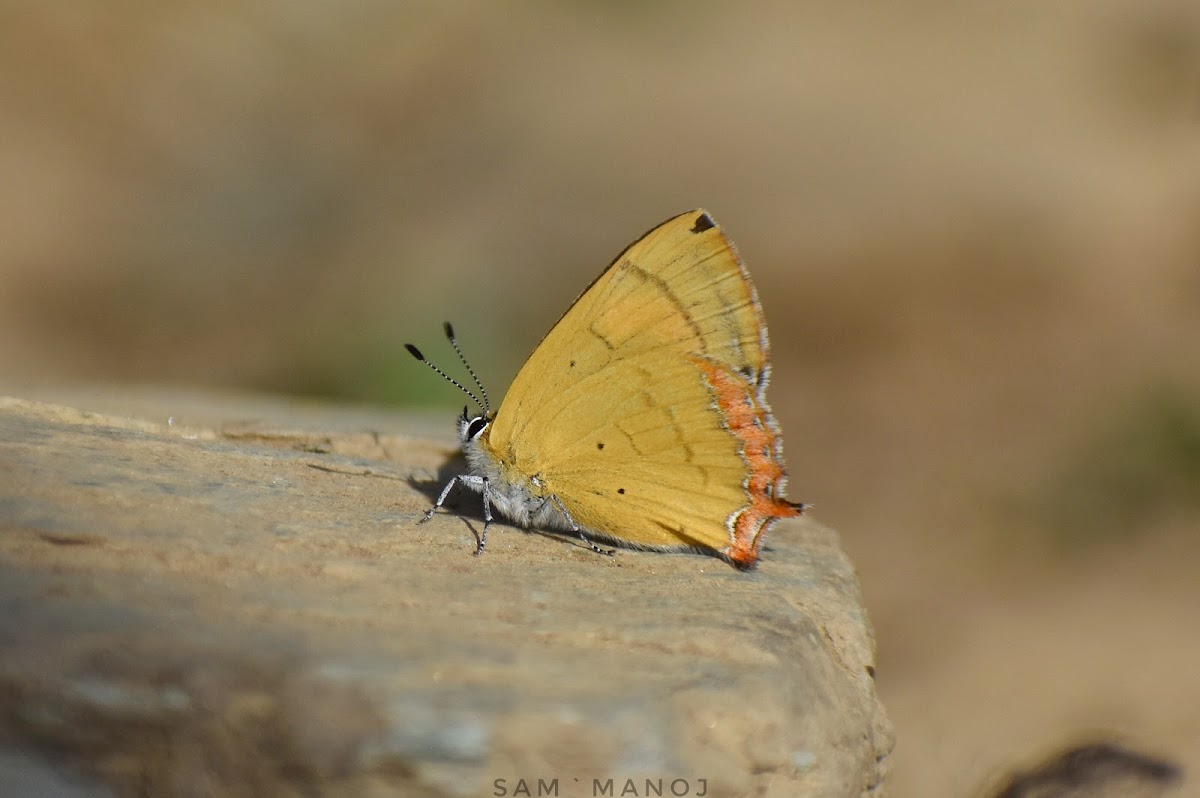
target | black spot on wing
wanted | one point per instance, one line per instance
(621, 491)
(703, 222)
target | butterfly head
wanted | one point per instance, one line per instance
(472, 427)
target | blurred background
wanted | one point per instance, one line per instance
(975, 229)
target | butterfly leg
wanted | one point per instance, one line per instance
(575, 528)
(441, 499)
(475, 483)
(487, 514)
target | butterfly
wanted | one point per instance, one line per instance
(641, 419)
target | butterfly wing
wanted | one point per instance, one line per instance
(644, 411)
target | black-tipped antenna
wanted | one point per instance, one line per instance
(487, 408)
(412, 350)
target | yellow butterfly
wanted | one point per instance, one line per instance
(641, 418)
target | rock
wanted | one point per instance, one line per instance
(212, 608)
(1094, 770)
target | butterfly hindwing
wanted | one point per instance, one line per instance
(643, 410)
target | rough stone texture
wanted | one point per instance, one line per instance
(248, 608)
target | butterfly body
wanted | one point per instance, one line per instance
(518, 497)
(641, 418)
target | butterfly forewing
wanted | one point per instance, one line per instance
(624, 410)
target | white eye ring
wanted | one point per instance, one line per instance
(476, 427)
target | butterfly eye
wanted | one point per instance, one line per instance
(476, 427)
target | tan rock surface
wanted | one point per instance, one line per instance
(213, 607)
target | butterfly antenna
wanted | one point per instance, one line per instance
(412, 350)
(454, 343)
